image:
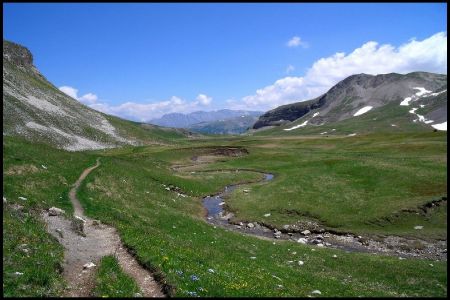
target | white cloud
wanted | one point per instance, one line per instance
(296, 41)
(203, 99)
(428, 55)
(88, 98)
(70, 91)
(145, 112)
(290, 69)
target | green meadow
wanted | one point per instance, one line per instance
(360, 184)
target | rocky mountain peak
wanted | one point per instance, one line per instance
(17, 55)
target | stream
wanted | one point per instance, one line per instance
(217, 215)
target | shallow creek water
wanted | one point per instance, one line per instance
(217, 215)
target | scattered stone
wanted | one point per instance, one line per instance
(252, 257)
(18, 273)
(168, 188)
(320, 245)
(418, 227)
(246, 191)
(137, 295)
(334, 256)
(54, 211)
(431, 265)
(17, 207)
(401, 258)
(316, 292)
(265, 215)
(22, 198)
(306, 232)
(4, 200)
(300, 263)
(250, 225)
(302, 240)
(89, 265)
(221, 203)
(293, 253)
(60, 232)
(211, 271)
(44, 167)
(241, 224)
(286, 227)
(290, 261)
(327, 244)
(78, 225)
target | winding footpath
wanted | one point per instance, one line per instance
(99, 240)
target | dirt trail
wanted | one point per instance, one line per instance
(99, 240)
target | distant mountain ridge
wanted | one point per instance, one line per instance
(180, 120)
(35, 109)
(421, 96)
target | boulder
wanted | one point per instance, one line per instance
(302, 241)
(250, 225)
(88, 265)
(306, 232)
(54, 211)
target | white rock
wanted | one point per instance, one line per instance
(334, 256)
(221, 203)
(44, 167)
(265, 215)
(250, 225)
(418, 227)
(252, 257)
(88, 265)
(80, 218)
(316, 292)
(300, 263)
(320, 245)
(302, 240)
(54, 211)
(211, 271)
(306, 232)
(22, 198)
(246, 191)
(18, 273)
(167, 188)
(4, 200)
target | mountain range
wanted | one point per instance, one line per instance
(414, 101)
(224, 121)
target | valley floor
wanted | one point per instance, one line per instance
(371, 185)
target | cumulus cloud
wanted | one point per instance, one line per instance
(144, 112)
(428, 55)
(203, 99)
(88, 98)
(295, 42)
(290, 69)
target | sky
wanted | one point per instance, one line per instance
(142, 60)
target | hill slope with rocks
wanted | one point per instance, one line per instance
(35, 109)
(419, 98)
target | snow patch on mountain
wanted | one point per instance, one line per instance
(297, 126)
(441, 126)
(363, 110)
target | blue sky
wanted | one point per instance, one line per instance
(142, 60)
